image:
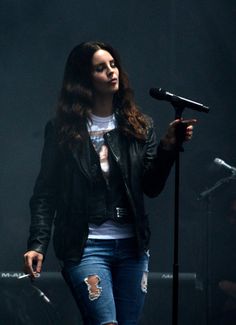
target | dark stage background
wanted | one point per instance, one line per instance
(187, 47)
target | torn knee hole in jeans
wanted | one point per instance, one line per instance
(144, 282)
(94, 290)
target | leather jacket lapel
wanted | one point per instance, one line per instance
(82, 157)
(115, 143)
(117, 146)
(112, 139)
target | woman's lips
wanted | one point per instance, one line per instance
(113, 81)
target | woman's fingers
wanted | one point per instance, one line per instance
(179, 130)
(188, 126)
(33, 260)
(39, 263)
(189, 129)
(188, 122)
(189, 132)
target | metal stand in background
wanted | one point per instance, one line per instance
(207, 195)
(222, 181)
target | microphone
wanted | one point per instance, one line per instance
(222, 163)
(42, 294)
(161, 94)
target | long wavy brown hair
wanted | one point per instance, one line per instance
(76, 97)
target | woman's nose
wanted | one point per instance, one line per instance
(110, 70)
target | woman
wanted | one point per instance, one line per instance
(100, 155)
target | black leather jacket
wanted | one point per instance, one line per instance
(62, 189)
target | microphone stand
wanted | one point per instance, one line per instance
(207, 195)
(179, 105)
(216, 185)
(175, 293)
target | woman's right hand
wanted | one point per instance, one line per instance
(33, 263)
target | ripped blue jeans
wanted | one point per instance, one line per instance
(110, 282)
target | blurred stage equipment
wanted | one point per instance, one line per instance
(207, 195)
(48, 301)
(222, 163)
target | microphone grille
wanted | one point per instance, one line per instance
(158, 93)
(218, 161)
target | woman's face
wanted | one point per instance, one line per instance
(105, 74)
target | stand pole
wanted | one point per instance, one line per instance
(175, 293)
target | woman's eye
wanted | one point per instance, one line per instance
(99, 68)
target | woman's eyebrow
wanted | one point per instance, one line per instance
(98, 64)
(104, 62)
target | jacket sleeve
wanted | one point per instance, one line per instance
(43, 200)
(157, 164)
